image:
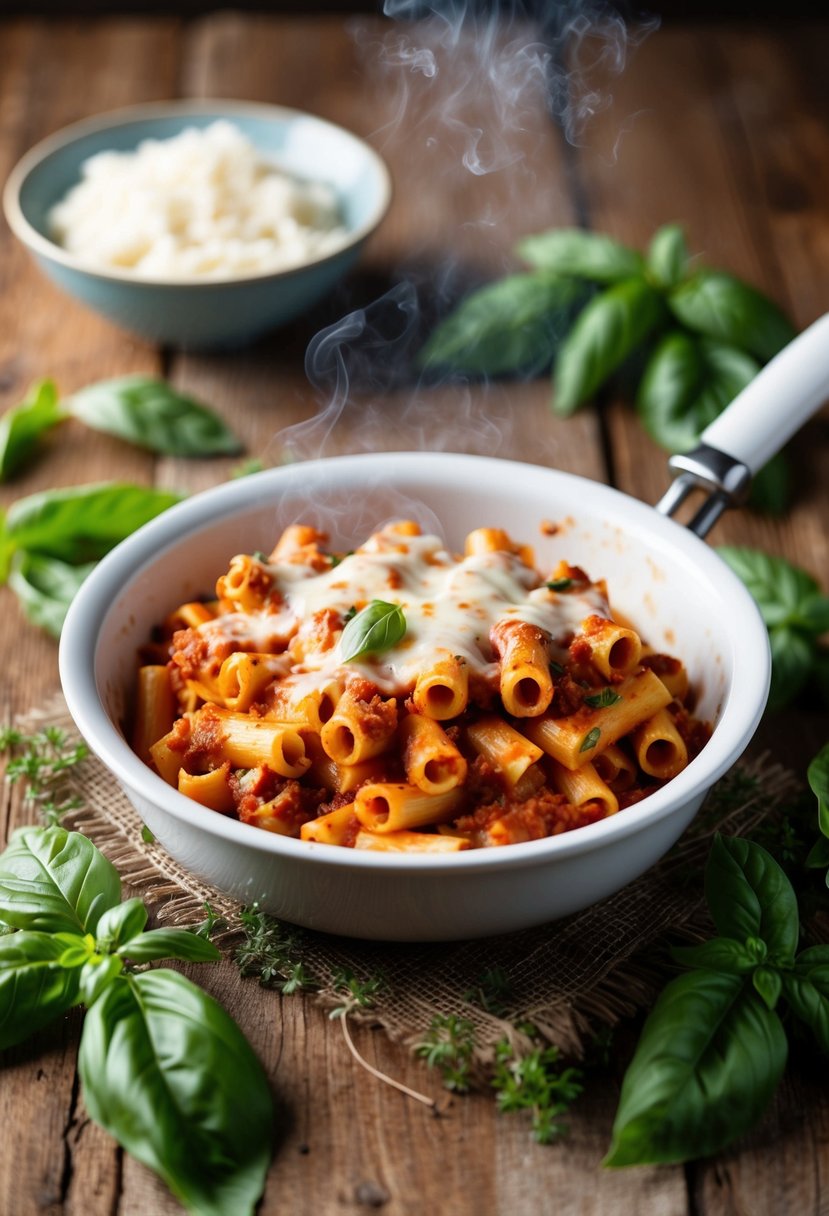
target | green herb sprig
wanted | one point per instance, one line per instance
(164, 1069)
(537, 1081)
(139, 409)
(592, 306)
(41, 762)
(714, 1048)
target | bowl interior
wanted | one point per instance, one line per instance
(667, 583)
(303, 145)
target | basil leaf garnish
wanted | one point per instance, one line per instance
(723, 307)
(46, 587)
(601, 700)
(807, 990)
(667, 259)
(590, 739)
(709, 1059)
(723, 954)
(168, 1073)
(607, 330)
(82, 523)
(514, 324)
(749, 896)
(34, 988)
(560, 584)
(377, 628)
(583, 255)
(22, 426)
(687, 383)
(55, 881)
(169, 943)
(120, 924)
(794, 610)
(817, 775)
(154, 415)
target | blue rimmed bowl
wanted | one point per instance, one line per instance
(200, 313)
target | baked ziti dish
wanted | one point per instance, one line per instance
(403, 698)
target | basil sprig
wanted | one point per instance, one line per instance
(693, 336)
(164, 1069)
(377, 628)
(50, 541)
(141, 410)
(795, 611)
(714, 1047)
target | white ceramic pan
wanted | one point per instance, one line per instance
(681, 596)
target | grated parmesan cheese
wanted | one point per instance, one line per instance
(202, 204)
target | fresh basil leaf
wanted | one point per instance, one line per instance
(771, 486)
(601, 700)
(22, 426)
(791, 663)
(817, 774)
(169, 1074)
(768, 985)
(78, 950)
(608, 329)
(818, 857)
(785, 594)
(377, 628)
(169, 943)
(560, 584)
(514, 324)
(34, 988)
(723, 307)
(120, 924)
(584, 255)
(688, 382)
(667, 260)
(55, 881)
(708, 1061)
(46, 587)
(724, 954)
(152, 414)
(82, 523)
(749, 895)
(590, 739)
(807, 991)
(96, 976)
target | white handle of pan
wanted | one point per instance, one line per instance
(758, 422)
(764, 416)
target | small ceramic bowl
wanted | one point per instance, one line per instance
(187, 311)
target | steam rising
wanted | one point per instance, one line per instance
(477, 85)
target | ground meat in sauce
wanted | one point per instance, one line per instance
(292, 805)
(544, 814)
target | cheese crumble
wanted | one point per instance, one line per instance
(202, 204)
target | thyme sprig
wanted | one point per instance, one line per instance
(41, 761)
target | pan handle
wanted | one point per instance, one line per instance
(758, 422)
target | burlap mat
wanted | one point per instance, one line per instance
(568, 978)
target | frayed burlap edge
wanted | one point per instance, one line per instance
(568, 978)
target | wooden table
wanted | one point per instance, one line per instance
(722, 128)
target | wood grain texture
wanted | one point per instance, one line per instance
(718, 130)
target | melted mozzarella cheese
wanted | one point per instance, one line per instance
(450, 606)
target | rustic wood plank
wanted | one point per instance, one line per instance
(60, 71)
(55, 72)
